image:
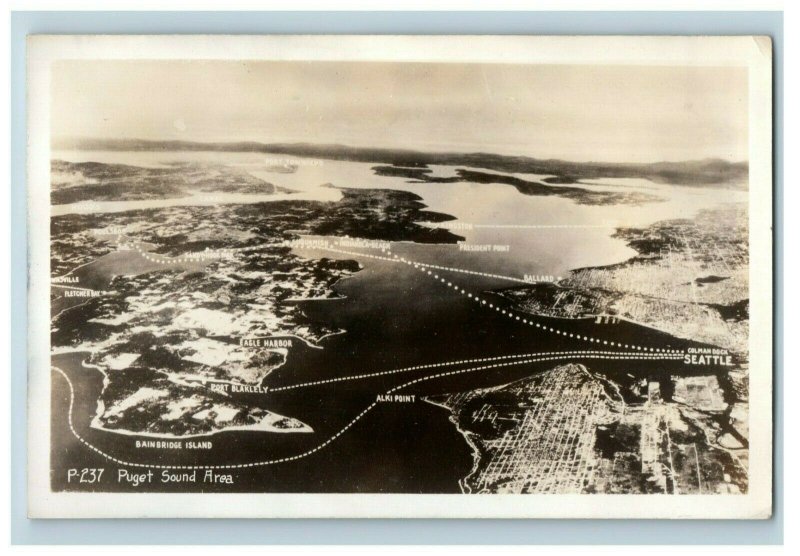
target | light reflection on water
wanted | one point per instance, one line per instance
(549, 251)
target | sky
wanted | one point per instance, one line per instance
(582, 113)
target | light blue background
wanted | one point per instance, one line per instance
(350, 531)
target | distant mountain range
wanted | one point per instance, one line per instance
(706, 172)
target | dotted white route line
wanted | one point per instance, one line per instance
(476, 273)
(619, 355)
(463, 362)
(425, 268)
(183, 259)
(523, 318)
(426, 265)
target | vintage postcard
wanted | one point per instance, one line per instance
(400, 276)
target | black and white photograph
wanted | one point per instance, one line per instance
(270, 272)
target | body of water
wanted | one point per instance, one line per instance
(394, 317)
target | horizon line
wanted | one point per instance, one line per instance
(214, 146)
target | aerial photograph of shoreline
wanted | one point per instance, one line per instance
(369, 277)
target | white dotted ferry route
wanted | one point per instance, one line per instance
(395, 258)
(523, 318)
(489, 366)
(425, 268)
(430, 269)
(183, 259)
(462, 362)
